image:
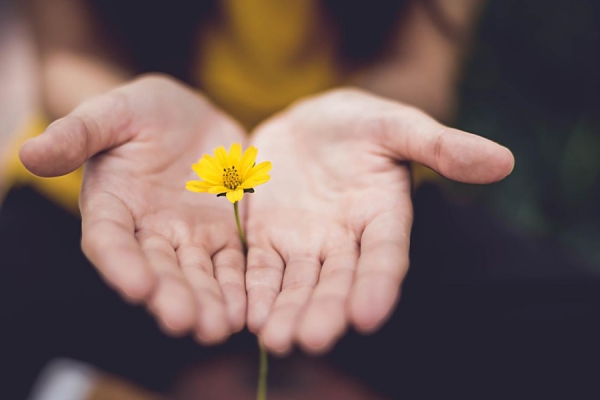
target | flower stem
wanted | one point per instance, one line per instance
(239, 225)
(261, 393)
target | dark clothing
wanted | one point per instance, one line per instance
(466, 324)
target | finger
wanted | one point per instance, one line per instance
(324, 319)
(212, 322)
(382, 265)
(229, 272)
(263, 283)
(96, 125)
(414, 136)
(108, 240)
(173, 300)
(299, 280)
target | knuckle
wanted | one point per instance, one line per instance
(439, 147)
(74, 136)
(258, 259)
(121, 114)
(299, 284)
(262, 289)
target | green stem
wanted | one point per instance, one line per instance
(239, 225)
(261, 393)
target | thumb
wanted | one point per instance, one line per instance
(96, 125)
(411, 135)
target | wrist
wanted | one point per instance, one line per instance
(69, 78)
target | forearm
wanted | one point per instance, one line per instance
(68, 78)
(425, 62)
(75, 62)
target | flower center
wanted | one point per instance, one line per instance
(231, 179)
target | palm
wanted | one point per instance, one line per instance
(150, 238)
(329, 235)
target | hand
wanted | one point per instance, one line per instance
(329, 235)
(175, 251)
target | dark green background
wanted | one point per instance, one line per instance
(532, 83)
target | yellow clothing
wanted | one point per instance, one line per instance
(258, 58)
(264, 54)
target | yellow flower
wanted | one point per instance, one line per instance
(231, 174)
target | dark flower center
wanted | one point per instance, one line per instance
(231, 178)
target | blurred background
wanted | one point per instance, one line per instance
(503, 296)
(17, 74)
(532, 84)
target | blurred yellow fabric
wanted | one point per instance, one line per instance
(264, 54)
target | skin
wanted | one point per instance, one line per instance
(329, 235)
(174, 251)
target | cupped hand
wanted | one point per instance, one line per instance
(329, 235)
(176, 251)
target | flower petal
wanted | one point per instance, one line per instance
(235, 154)
(207, 173)
(255, 181)
(217, 190)
(235, 195)
(262, 168)
(210, 162)
(197, 186)
(222, 157)
(247, 161)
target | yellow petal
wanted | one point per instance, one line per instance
(248, 160)
(262, 168)
(255, 181)
(217, 190)
(263, 179)
(235, 154)
(210, 162)
(235, 195)
(207, 173)
(197, 186)
(222, 157)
